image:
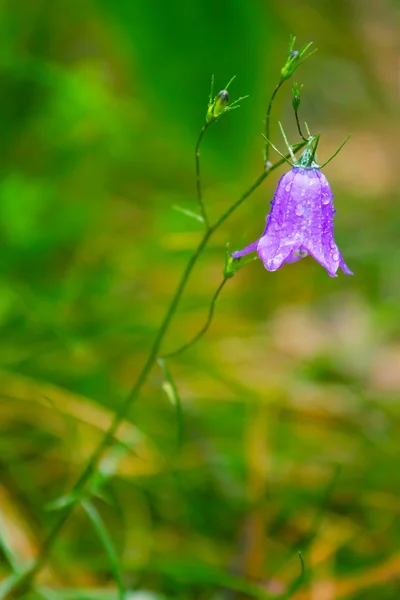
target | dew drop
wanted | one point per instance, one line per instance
(325, 198)
(287, 188)
(299, 210)
(335, 256)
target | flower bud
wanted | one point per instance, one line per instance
(219, 106)
(294, 59)
(222, 98)
(221, 101)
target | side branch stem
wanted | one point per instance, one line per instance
(298, 126)
(268, 119)
(198, 178)
(205, 327)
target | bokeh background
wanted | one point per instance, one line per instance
(291, 413)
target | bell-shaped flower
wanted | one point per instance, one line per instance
(300, 221)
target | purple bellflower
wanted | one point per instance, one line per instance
(300, 221)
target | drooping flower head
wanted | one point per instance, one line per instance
(300, 221)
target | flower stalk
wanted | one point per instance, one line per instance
(296, 98)
(293, 60)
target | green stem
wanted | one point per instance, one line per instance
(22, 581)
(198, 178)
(267, 121)
(297, 582)
(298, 126)
(205, 327)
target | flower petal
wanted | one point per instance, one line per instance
(344, 267)
(274, 252)
(330, 266)
(251, 248)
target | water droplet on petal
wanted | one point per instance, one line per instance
(299, 210)
(325, 198)
(335, 256)
(287, 188)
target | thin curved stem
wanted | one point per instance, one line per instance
(298, 581)
(298, 125)
(23, 580)
(268, 119)
(205, 327)
(198, 177)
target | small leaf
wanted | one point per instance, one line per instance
(105, 539)
(109, 466)
(188, 213)
(170, 389)
(8, 551)
(61, 502)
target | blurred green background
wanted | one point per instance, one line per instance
(291, 401)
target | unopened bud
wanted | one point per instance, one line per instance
(223, 97)
(294, 59)
(220, 104)
(221, 101)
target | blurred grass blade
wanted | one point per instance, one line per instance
(47, 594)
(295, 585)
(61, 502)
(7, 551)
(171, 390)
(108, 467)
(188, 213)
(8, 584)
(94, 594)
(105, 539)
